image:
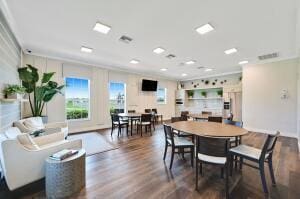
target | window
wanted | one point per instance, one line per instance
(77, 98)
(161, 95)
(117, 97)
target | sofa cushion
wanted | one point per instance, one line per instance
(12, 133)
(34, 123)
(27, 141)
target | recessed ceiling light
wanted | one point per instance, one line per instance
(134, 61)
(205, 29)
(183, 74)
(163, 69)
(86, 49)
(230, 51)
(101, 28)
(158, 50)
(243, 62)
(190, 62)
(208, 69)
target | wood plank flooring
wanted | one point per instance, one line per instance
(136, 170)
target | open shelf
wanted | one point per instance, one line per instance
(207, 98)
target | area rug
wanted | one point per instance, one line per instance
(93, 142)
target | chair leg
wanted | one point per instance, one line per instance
(222, 172)
(241, 163)
(226, 181)
(263, 177)
(112, 129)
(197, 172)
(172, 157)
(231, 164)
(270, 163)
(127, 126)
(166, 148)
(182, 151)
(201, 168)
(192, 156)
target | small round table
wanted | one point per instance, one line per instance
(67, 177)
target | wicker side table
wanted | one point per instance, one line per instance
(67, 177)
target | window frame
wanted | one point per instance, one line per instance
(125, 94)
(165, 95)
(89, 98)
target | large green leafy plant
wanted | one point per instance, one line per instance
(39, 94)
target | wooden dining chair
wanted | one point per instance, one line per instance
(212, 151)
(147, 110)
(131, 111)
(146, 121)
(178, 145)
(258, 156)
(235, 141)
(215, 119)
(184, 115)
(178, 133)
(117, 122)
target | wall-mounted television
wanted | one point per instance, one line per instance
(149, 85)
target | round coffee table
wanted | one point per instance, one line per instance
(67, 177)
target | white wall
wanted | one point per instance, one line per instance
(99, 82)
(263, 108)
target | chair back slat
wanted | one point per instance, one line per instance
(147, 110)
(269, 144)
(169, 135)
(235, 123)
(215, 119)
(115, 118)
(131, 111)
(146, 117)
(213, 146)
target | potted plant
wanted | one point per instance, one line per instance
(14, 92)
(190, 93)
(220, 93)
(38, 94)
(203, 93)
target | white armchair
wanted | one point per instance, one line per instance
(29, 125)
(25, 163)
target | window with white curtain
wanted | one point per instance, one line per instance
(77, 94)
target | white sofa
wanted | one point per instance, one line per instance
(31, 124)
(23, 164)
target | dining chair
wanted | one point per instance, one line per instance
(212, 151)
(178, 145)
(156, 117)
(235, 141)
(134, 119)
(215, 119)
(178, 133)
(258, 156)
(117, 122)
(146, 121)
(184, 115)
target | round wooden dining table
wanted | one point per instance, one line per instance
(209, 129)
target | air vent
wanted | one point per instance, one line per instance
(170, 56)
(125, 39)
(268, 56)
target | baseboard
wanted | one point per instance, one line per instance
(286, 134)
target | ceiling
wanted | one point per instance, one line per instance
(58, 28)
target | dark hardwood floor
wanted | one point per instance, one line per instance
(136, 170)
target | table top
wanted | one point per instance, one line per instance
(209, 129)
(134, 114)
(202, 116)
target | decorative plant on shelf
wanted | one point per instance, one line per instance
(12, 91)
(40, 94)
(203, 93)
(220, 93)
(190, 93)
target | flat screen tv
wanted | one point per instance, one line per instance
(149, 85)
